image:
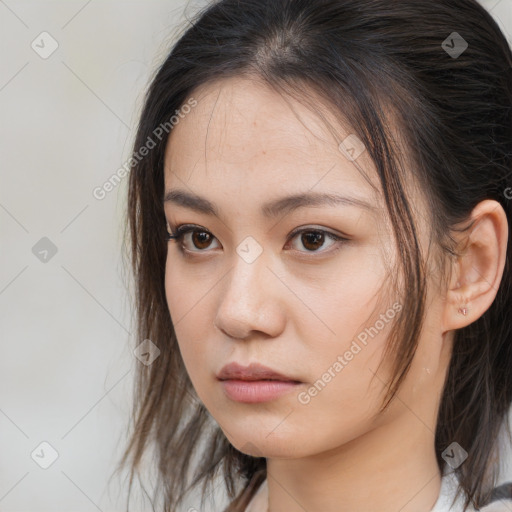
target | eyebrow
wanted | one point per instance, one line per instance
(273, 208)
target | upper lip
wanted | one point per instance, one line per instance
(254, 371)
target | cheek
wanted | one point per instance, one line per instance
(188, 289)
(341, 304)
(342, 399)
(192, 321)
(343, 336)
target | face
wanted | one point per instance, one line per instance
(303, 291)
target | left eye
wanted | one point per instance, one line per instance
(311, 239)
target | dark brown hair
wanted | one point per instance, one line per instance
(372, 62)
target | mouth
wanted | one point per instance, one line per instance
(255, 383)
(261, 380)
(253, 372)
(257, 391)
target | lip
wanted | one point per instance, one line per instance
(254, 383)
(253, 372)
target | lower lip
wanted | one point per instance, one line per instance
(255, 391)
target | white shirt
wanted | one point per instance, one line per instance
(448, 490)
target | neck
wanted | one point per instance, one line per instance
(387, 469)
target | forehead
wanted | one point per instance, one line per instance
(244, 135)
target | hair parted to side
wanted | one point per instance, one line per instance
(372, 62)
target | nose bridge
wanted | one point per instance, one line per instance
(249, 269)
(248, 302)
(243, 289)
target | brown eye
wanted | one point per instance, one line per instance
(201, 239)
(312, 240)
(193, 239)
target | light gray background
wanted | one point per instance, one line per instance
(67, 124)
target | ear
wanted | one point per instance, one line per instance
(477, 272)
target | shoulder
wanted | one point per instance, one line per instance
(498, 506)
(501, 499)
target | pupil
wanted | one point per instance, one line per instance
(313, 238)
(201, 237)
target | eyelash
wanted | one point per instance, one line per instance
(183, 229)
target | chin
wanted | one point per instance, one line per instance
(268, 447)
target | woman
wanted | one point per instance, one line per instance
(319, 212)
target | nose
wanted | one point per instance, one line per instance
(251, 300)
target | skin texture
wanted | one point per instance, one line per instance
(296, 310)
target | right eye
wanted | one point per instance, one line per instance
(200, 238)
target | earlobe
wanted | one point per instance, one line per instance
(478, 270)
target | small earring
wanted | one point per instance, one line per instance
(463, 310)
